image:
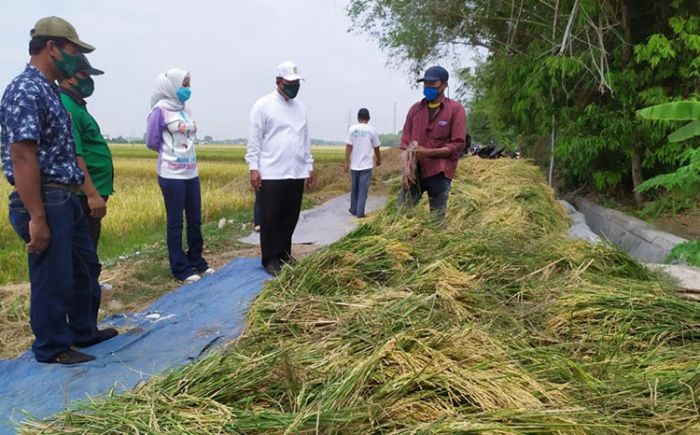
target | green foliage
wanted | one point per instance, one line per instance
(687, 252)
(390, 140)
(676, 111)
(686, 132)
(671, 203)
(686, 179)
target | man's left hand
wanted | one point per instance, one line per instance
(422, 152)
(311, 181)
(97, 205)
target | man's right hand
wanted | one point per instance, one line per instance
(255, 179)
(39, 236)
(97, 205)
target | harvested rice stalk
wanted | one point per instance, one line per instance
(409, 164)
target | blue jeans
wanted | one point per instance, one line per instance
(358, 191)
(438, 188)
(179, 196)
(65, 293)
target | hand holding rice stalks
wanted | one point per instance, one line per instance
(409, 165)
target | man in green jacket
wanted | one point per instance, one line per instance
(92, 153)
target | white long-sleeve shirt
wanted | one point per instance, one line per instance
(279, 145)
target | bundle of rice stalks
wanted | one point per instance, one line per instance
(495, 322)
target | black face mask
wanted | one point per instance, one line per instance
(85, 87)
(290, 89)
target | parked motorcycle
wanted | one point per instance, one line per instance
(493, 151)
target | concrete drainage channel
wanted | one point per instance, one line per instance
(642, 241)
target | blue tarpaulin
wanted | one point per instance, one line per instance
(175, 330)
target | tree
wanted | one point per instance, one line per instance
(390, 139)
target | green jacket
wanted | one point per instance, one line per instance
(89, 143)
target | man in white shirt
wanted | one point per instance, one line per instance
(361, 143)
(280, 161)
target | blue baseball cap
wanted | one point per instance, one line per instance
(435, 73)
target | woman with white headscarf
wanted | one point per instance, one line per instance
(171, 132)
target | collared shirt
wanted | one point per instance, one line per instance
(89, 143)
(448, 128)
(279, 145)
(364, 139)
(31, 111)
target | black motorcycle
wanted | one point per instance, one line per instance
(493, 151)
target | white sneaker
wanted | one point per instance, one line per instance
(210, 271)
(192, 278)
(105, 286)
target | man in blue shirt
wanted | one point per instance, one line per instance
(38, 159)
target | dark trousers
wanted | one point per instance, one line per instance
(65, 294)
(256, 210)
(438, 188)
(183, 196)
(94, 223)
(358, 191)
(280, 204)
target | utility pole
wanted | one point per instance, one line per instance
(394, 131)
(349, 120)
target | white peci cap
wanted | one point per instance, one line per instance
(288, 70)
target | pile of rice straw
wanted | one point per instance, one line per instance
(495, 323)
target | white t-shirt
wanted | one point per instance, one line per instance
(279, 145)
(363, 139)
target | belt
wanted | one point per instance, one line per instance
(72, 188)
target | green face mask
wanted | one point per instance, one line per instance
(68, 65)
(84, 87)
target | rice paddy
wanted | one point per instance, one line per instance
(495, 322)
(136, 215)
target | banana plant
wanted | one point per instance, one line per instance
(677, 111)
(684, 181)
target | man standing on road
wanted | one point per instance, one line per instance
(361, 143)
(38, 159)
(280, 161)
(439, 126)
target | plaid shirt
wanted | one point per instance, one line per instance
(31, 111)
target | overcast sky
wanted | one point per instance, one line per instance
(232, 49)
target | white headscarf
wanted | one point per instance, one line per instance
(167, 84)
